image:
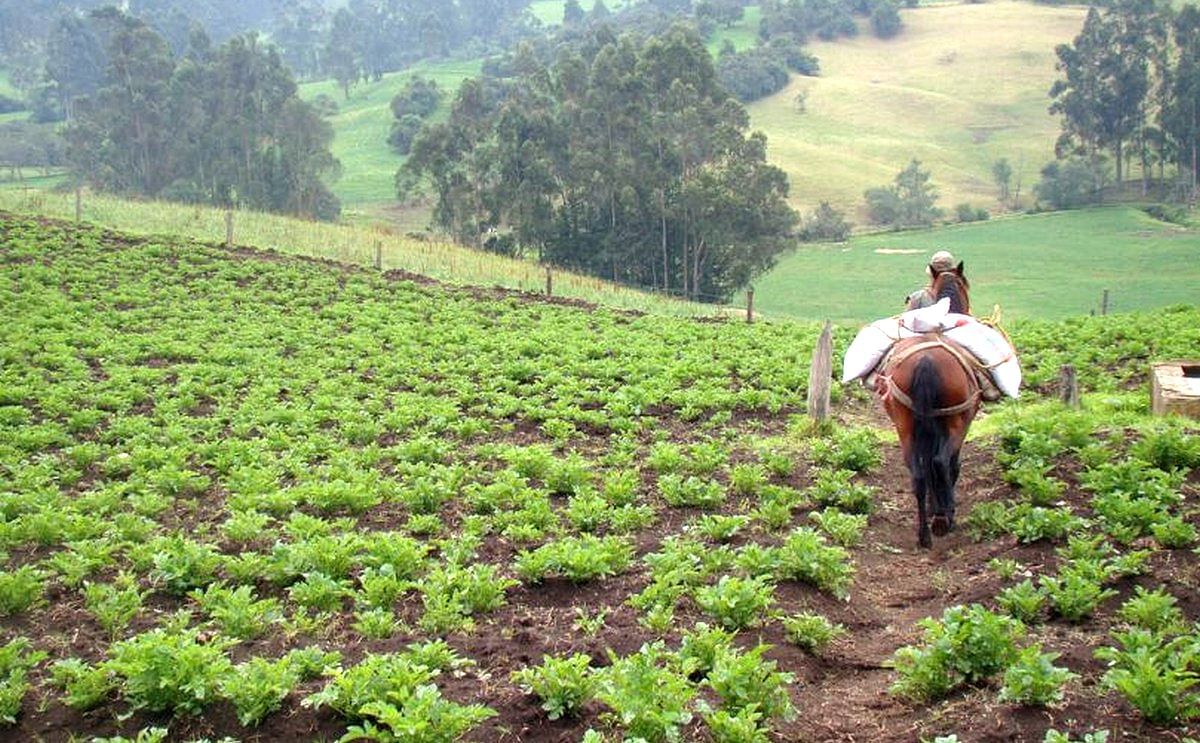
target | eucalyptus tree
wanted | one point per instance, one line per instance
(620, 156)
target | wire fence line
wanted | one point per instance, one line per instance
(370, 246)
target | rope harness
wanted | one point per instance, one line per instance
(893, 359)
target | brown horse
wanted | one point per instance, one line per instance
(929, 390)
(953, 284)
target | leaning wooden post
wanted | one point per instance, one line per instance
(1068, 386)
(78, 203)
(378, 255)
(1104, 303)
(820, 375)
(549, 282)
(750, 304)
(229, 227)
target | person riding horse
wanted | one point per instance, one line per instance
(941, 262)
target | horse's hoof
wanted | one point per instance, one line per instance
(925, 540)
(941, 526)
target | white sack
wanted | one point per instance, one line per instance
(991, 348)
(869, 346)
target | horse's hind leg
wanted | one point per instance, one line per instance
(955, 467)
(920, 488)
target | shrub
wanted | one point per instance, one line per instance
(422, 716)
(648, 697)
(826, 224)
(1073, 595)
(805, 556)
(736, 602)
(1152, 610)
(701, 645)
(1022, 601)
(166, 670)
(578, 559)
(747, 681)
(1153, 674)
(257, 688)
(1072, 182)
(376, 677)
(968, 645)
(563, 684)
(20, 589)
(812, 632)
(16, 658)
(1034, 680)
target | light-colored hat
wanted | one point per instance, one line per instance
(941, 261)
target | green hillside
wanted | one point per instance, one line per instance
(959, 88)
(1048, 265)
(361, 129)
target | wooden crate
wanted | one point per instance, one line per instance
(1176, 388)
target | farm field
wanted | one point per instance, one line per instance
(962, 86)
(251, 495)
(1051, 265)
(348, 243)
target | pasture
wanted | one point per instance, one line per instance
(361, 128)
(1052, 265)
(962, 86)
(253, 495)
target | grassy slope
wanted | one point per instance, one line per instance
(743, 34)
(1048, 265)
(348, 243)
(959, 88)
(361, 129)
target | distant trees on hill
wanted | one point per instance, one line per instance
(827, 19)
(221, 126)
(1129, 87)
(622, 157)
(909, 202)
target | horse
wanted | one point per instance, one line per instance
(953, 284)
(929, 391)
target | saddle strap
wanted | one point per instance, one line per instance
(894, 391)
(968, 364)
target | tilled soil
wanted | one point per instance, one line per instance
(840, 695)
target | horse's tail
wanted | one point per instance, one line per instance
(929, 430)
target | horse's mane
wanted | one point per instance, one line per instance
(954, 285)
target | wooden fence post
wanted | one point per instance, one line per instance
(750, 304)
(820, 375)
(378, 255)
(78, 203)
(549, 282)
(1068, 386)
(229, 227)
(1104, 303)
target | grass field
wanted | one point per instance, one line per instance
(1048, 265)
(6, 86)
(743, 34)
(959, 88)
(361, 129)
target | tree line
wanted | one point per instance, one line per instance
(621, 156)
(1129, 89)
(222, 126)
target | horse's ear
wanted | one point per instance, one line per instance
(959, 269)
